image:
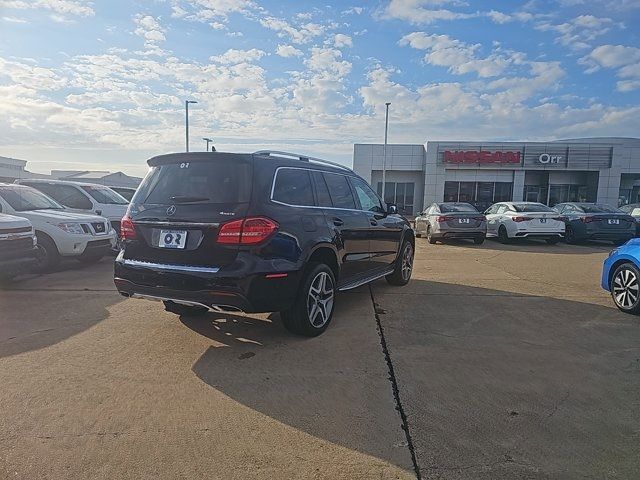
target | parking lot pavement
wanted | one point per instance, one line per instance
(512, 363)
(97, 386)
(509, 359)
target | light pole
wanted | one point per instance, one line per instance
(186, 120)
(384, 158)
(208, 140)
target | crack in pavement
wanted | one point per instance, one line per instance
(394, 385)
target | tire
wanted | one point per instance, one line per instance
(403, 267)
(430, 238)
(48, 255)
(479, 240)
(184, 310)
(625, 288)
(89, 259)
(552, 240)
(314, 304)
(415, 229)
(503, 236)
(570, 236)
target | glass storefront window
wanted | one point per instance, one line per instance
(467, 192)
(451, 191)
(503, 192)
(479, 194)
(399, 193)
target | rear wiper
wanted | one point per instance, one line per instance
(187, 199)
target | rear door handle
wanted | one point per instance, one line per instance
(338, 222)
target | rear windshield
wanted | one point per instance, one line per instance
(457, 207)
(211, 181)
(598, 209)
(105, 195)
(531, 207)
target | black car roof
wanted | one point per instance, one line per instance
(277, 161)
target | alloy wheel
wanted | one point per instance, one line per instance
(407, 262)
(320, 300)
(625, 288)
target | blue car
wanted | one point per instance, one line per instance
(621, 276)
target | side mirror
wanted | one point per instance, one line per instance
(392, 209)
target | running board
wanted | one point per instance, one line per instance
(351, 286)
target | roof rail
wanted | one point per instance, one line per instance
(299, 156)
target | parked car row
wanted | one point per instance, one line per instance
(575, 222)
(54, 231)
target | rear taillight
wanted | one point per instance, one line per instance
(521, 219)
(480, 219)
(443, 218)
(560, 219)
(589, 219)
(127, 229)
(247, 231)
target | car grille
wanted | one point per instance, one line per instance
(6, 231)
(99, 243)
(99, 227)
(9, 248)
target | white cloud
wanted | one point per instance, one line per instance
(151, 31)
(341, 40)
(81, 8)
(288, 51)
(233, 56)
(353, 11)
(625, 59)
(459, 57)
(300, 34)
(577, 32)
(13, 20)
(425, 11)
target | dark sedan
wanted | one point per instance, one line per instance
(633, 209)
(591, 221)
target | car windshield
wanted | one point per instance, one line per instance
(598, 209)
(457, 207)
(531, 207)
(221, 181)
(105, 195)
(23, 199)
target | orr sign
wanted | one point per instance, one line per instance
(483, 157)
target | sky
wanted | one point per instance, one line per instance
(101, 84)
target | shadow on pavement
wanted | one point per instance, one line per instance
(333, 387)
(37, 311)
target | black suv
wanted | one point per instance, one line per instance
(261, 232)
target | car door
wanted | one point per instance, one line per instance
(349, 225)
(385, 231)
(492, 218)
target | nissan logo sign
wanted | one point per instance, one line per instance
(545, 158)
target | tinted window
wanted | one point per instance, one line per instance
(457, 207)
(212, 181)
(22, 199)
(71, 197)
(369, 201)
(324, 199)
(531, 207)
(105, 195)
(598, 209)
(293, 186)
(340, 191)
(501, 209)
(559, 208)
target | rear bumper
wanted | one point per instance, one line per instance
(627, 235)
(208, 286)
(459, 234)
(539, 235)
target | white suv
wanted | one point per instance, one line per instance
(60, 232)
(84, 197)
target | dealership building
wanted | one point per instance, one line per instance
(603, 170)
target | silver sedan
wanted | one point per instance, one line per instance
(451, 220)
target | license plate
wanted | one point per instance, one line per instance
(172, 239)
(543, 220)
(463, 220)
(614, 221)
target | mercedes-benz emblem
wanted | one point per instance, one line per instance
(171, 210)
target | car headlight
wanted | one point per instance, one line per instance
(74, 228)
